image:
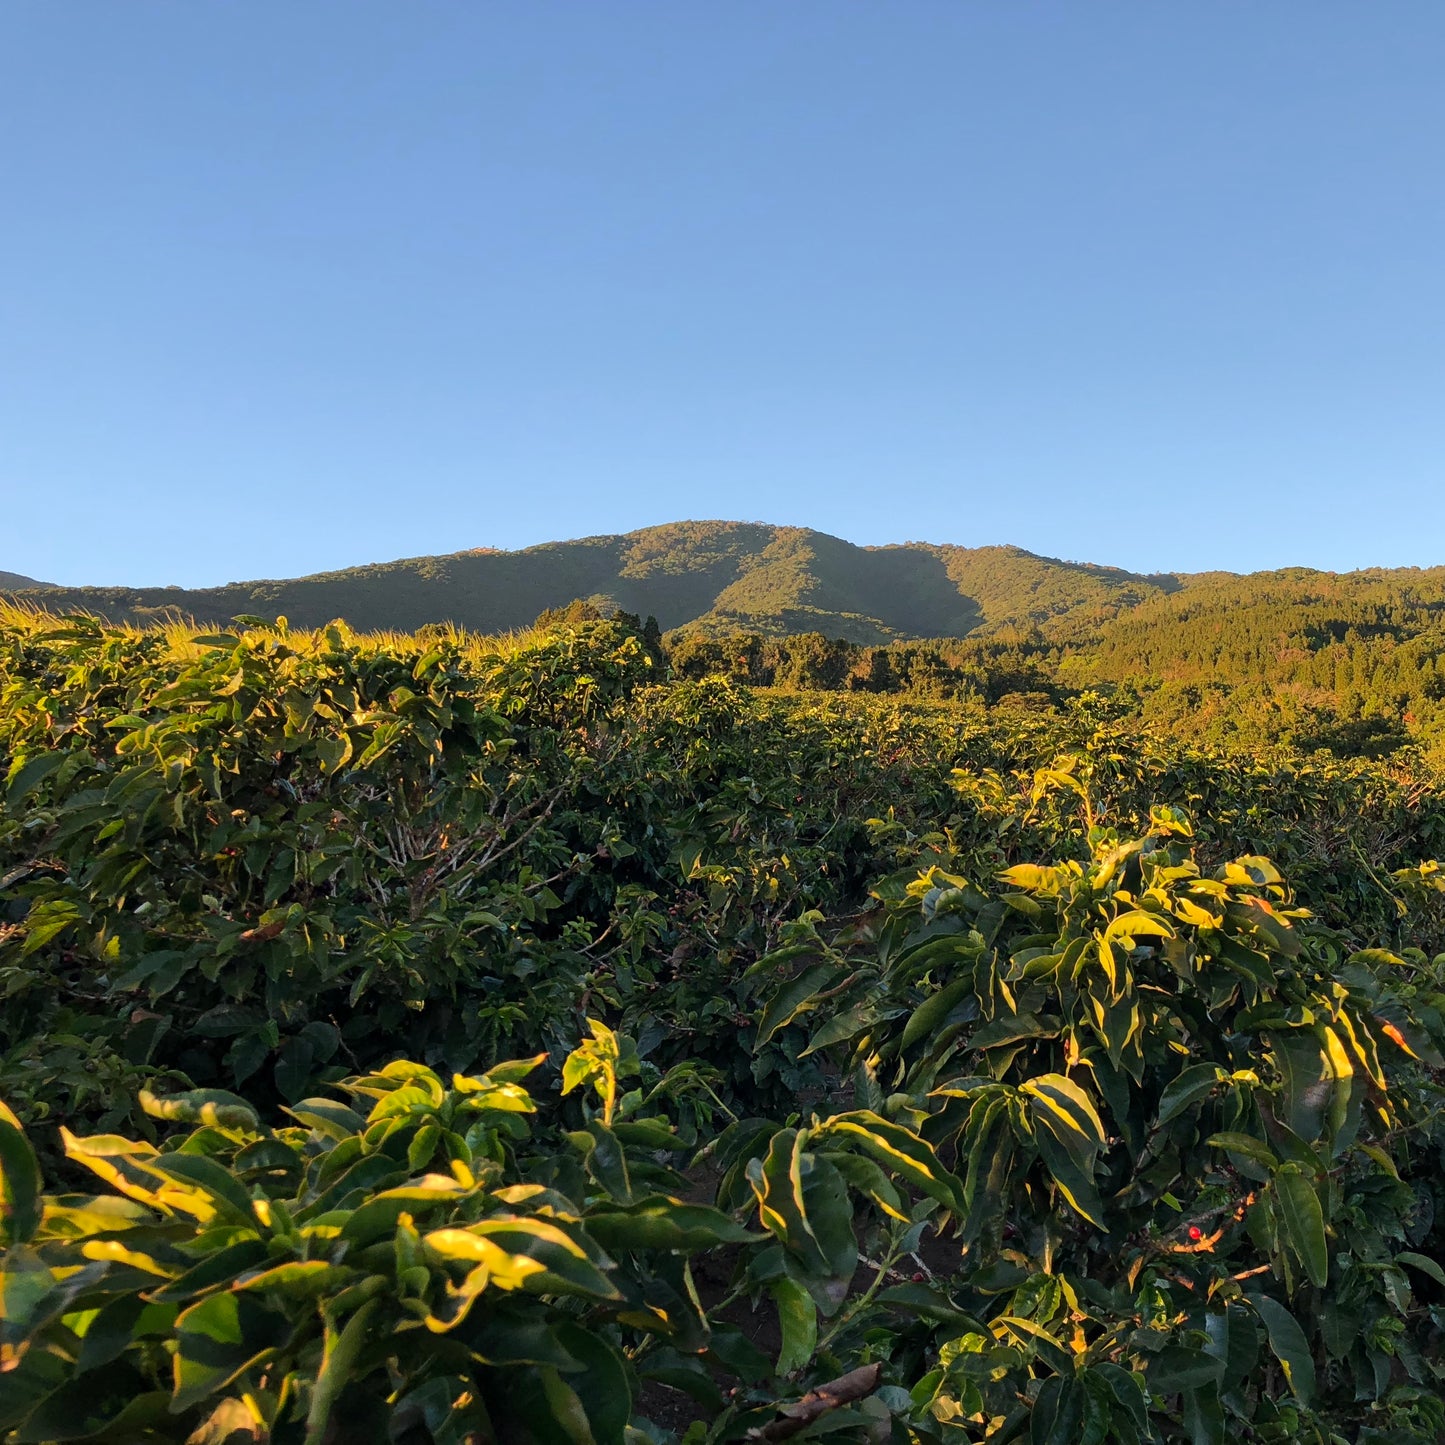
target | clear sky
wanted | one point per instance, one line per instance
(288, 286)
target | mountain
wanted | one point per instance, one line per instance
(715, 579)
(12, 581)
(707, 577)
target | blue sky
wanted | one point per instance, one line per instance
(293, 286)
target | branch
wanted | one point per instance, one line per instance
(798, 1416)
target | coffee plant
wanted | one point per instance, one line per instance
(946, 1074)
(1196, 1140)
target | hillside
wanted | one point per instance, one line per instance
(750, 599)
(709, 577)
(9, 581)
(1235, 629)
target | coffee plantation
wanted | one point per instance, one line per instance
(445, 1041)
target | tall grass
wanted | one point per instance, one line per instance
(185, 638)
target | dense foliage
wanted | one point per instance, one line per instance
(947, 1073)
(1269, 1164)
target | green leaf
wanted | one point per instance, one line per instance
(550, 1408)
(1288, 1343)
(118, 1326)
(1138, 924)
(106, 1409)
(1177, 1368)
(867, 1177)
(659, 1222)
(20, 1203)
(46, 921)
(295, 1064)
(653, 1134)
(900, 1150)
(377, 1216)
(329, 1118)
(1305, 1073)
(1304, 1222)
(843, 1027)
(683, 1372)
(1034, 877)
(601, 1384)
(1233, 1340)
(447, 1408)
(25, 777)
(1186, 1088)
(1170, 821)
(1424, 1264)
(795, 997)
(931, 1013)
(513, 1332)
(31, 1295)
(299, 1279)
(607, 1162)
(1245, 1144)
(35, 1374)
(1068, 1111)
(211, 1179)
(596, 1061)
(512, 1071)
(772, 963)
(569, 1267)
(222, 1267)
(797, 1323)
(1203, 1415)
(122, 1163)
(1011, 1029)
(730, 1348)
(1075, 1180)
(803, 1201)
(337, 1362)
(423, 1146)
(1057, 1413)
(334, 752)
(219, 1338)
(1127, 1391)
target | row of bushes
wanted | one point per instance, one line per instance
(267, 858)
(1121, 1150)
(1013, 1102)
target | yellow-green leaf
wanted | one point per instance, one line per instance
(20, 1203)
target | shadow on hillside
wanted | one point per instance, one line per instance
(906, 588)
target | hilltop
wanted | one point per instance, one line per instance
(708, 577)
(10, 581)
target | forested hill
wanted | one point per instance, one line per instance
(1353, 663)
(1312, 625)
(709, 577)
(759, 602)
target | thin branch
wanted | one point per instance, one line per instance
(794, 1419)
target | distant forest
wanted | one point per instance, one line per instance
(1352, 665)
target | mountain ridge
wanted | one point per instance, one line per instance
(707, 576)
(9, 581)
(719, 577)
